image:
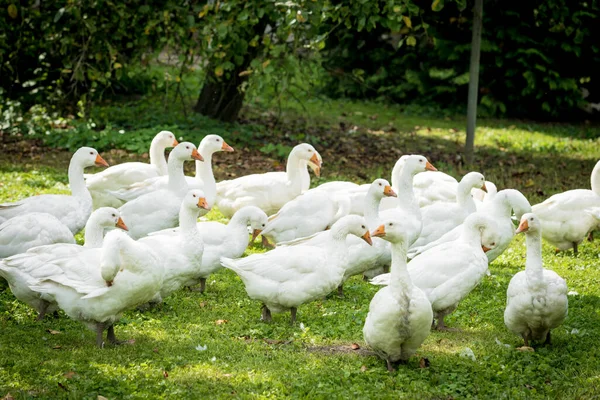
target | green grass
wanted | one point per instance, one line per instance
(249, 359)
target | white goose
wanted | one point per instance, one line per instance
(400, 315)
(361, 256)
(96, 285)
(181, 254)
(123, 175)
(160, 210)
(500, 210)
(23, 270)
(440, 218)
(204, 179)
(449, 272)
(434, 188)
(405, 206)
(270, 191)
(72, 210)
(300, 218)
(287, 277)
(536, 299)
(480, 197)
(222, 240)
(19, 234)
(565, 222)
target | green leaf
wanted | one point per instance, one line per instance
(437, 5)
(411, 40)
(12, 11)
(59, 14)
(243, 16)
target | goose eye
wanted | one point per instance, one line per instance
(194, 195)
(362, 226)
(379, 183)
(187, 147)
(420, 160)
(114, 215)
(263, 225)
(494, 243)
(91, 152)
(391, 224)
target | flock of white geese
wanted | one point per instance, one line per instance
(143, 241)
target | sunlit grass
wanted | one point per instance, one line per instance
(249, 359)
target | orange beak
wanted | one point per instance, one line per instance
(429, 167)
(121, 224)
(484, 188)
(226, 147)
(100, 161)
(523, 227)
(485, 249)
(203, 204)
(315, 160)
(367, 238)
(196, 155)
(388, 191)
(379, 232)
(255, 233)
(175, 142)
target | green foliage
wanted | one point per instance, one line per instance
(537, 59)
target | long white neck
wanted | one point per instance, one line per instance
(297, 173)
(187, 219)
(400, 282)
(157, 157)
(94, 232)
(406, 195)
(371, 208)
(595, 179)
(464, 198)
(533, 266)
(237, 229)
(177, 182)
(204, 172)
(77, 181)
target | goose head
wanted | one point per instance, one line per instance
(108, 217)
(392, 231)
(185, 151)
(195, 199)
(474, 180)
(213, 143)
(88, 157)
(307, 152)
(413, 164)
(257, 221)
(529, 223)
(165, 139)
(489, 240)
(352, 224)
(381, 188)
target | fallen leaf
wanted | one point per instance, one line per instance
(227, 375)
(69, 374)
(130, 341)
(101, 398)
(53, 332)
(221, 321)
(355, 346)
(202, 304)
(57, 347)
(424, 362)
(155, 350)
(165, 374)
(363, 368)
(8, 397)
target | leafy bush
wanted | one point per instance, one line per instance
(538, 59)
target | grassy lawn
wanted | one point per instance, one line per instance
(214, 345)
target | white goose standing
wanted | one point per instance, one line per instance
(536, 299)
(123, 175)
(270, 191)
(400, 315)
(287, 277)
(72, 210)
(160, 210)
(565, 217)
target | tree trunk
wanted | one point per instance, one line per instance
(473, 81)
(221, 98)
